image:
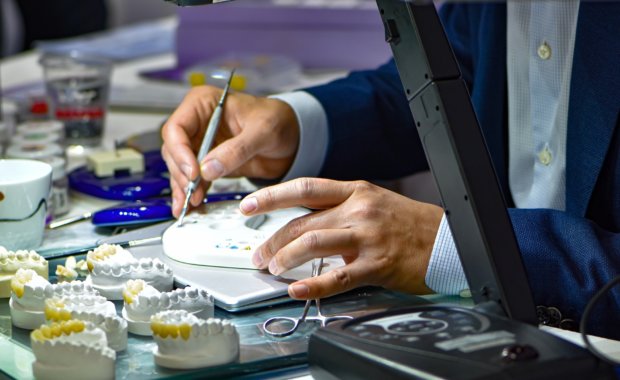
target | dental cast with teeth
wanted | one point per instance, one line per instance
(142, 301)
(111, 266)
(11, 262)
(95, 309)
(29, 292)
(185, 341)
(71, 350)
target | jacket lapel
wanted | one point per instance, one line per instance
(594, 100)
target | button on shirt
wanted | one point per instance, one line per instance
(540, 45)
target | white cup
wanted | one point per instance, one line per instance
(24, 190)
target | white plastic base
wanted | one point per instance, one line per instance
(218, 235)
(25, 319)
(137, 327)
(102, 370)
(192, 362)
(111, 292)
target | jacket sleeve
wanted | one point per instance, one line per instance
(371, 130)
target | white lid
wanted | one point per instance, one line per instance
(41, 125)
(35, 137)
(33, 151)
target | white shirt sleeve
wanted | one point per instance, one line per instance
(313, 134)
(445, 273)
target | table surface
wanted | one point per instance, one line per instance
(259, 353)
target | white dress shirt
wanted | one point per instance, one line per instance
(540, 46)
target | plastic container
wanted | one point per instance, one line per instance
(254, 74)
(34, 151)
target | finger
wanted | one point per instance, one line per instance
(183, 129)
(310, 245)
(234, 153)
(314, 193)
(336, 281)
(295, 228)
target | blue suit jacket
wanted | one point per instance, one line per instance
(568, 255)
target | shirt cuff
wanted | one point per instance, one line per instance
(313, 134)
(445, 273)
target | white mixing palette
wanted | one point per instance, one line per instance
(218, 234)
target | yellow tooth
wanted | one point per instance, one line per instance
(173, 331)
(185, 330)
(155, 327)
(56, 330)
(37, 335)
(47, 332)
(19, 280)
(127, 296)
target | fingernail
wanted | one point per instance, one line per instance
(299, 290)
(174, 203)
(212, 169)
(273, 267)
(257, 259)
(187, 170)
(248, 205)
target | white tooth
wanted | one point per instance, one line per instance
(204, 328)
(77, 286)
(174, 297)
(159, 265)
(38, 292)
(203, 293)
(116, 269)
(113, 323)
(105, 267)
(214, 326)
(126, 267)
(154, 301)
(196, 329)
(143, 300)
(88, 301)
(97, 270)
(146, 264)
(192, 293)
(229, 329)
(49, 291)
(88, 288)
(164, 300)
(21, 256)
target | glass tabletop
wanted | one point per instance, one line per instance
(259, 352)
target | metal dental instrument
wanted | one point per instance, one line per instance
(270, 325)
(207, 142)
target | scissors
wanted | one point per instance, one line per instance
(269, 324)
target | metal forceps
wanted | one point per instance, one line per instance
(294, 323)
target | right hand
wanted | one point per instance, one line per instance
(257, 137)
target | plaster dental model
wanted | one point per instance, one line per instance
(95, 309)
(29, 292)
(71, 350)
(186, 342)
(111, 266)
(142, 301)
(11, 261)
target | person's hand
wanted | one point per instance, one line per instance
(257, 137)
(384, 238)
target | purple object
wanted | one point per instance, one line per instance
(318, 37)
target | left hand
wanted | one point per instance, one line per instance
(384, 238)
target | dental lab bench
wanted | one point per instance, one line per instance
(261, 355)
